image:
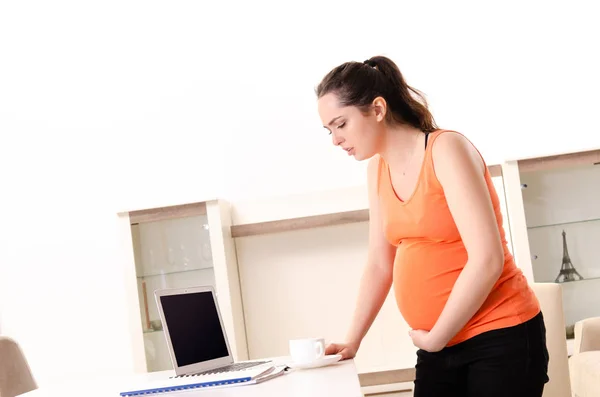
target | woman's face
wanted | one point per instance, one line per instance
(357, 133)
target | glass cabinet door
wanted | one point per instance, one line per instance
(171, 253)
(562, 211)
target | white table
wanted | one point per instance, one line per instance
(339, 379)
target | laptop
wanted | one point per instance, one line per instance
(198, 347)
(195, 334)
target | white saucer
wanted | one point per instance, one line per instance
(325, 360)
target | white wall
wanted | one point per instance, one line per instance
(304, 283)
(123, 105)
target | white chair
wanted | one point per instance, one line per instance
(584, 364)
(15, 374)
(550, 298)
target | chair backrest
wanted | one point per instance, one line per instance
(551, 301)
(15, 374)
(587, 335)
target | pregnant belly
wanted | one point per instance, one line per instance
(423, 279)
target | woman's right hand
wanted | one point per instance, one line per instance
(347, 350)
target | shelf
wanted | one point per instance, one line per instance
(562, 224)
(175, 272)
(386, 377)
(152, 331)
(569, 282)
(307, 222)
(590, 157)
(577, 281)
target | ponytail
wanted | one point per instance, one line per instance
(358, 84)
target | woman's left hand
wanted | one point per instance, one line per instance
(425, 340)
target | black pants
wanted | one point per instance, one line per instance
(508, 362)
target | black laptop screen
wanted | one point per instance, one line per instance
(194, 327)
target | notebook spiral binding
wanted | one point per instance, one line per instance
(167, 389)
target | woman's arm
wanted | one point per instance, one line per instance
(461, 172)
(377, 276)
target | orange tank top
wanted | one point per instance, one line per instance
(430, 256)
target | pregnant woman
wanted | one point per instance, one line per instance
(436, 235)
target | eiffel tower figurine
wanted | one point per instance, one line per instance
(567, 271)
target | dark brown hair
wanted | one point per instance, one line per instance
(359, 83)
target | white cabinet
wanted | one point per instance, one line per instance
(559, 227)
(184, 246)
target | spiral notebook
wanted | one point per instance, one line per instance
(187, 383)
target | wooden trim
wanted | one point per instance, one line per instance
(591, 157)
(392, 389)
(307, 222)
(387, 393)
(387, 377)
(495, 170)
(163, 213)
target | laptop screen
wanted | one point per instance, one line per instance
(194, 327)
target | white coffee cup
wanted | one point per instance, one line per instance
(307, 350)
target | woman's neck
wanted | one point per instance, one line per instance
(400, 143)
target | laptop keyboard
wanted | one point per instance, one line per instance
(228, 368)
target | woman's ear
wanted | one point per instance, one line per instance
(380, 108)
